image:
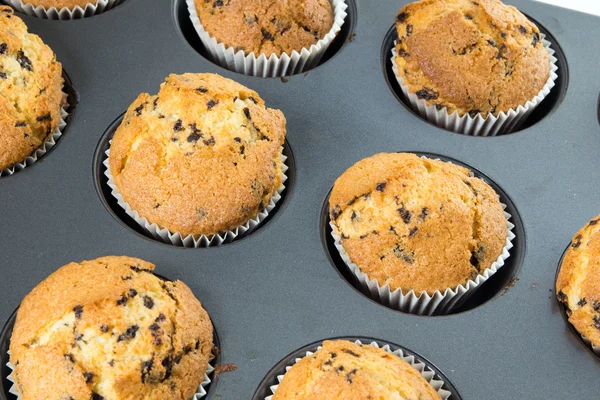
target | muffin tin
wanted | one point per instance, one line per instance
(280, 288)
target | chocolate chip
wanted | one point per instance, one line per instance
(380, 186)
(247, 113)
(562, 297)
(202, 89)
(209, 142)
(501, 51)
(522, 29)
(403, 53)
(350, 374)
(335, 212)
(96, 396)
(582, 302)
(593, 222)
(211, 104)
(348, 351)
(89, 377)
(424, 213)
(218, 3)
(340, 368)
(427, 94)
(267, 35)
(237, 139)
(492, 43)
(138, 110)
(129, 333)
(402, 17)
(78, 310)
(45, 117)
(122, 300)
(24, 62)
(146, 368)
(413, 232)
(409, 30)
(3, 75)
(178, 126)
(3, 48)
(405, 214)
(132, 293)
(503, 34)
(103, 328)
(393, 230)
(576, 242)
(161, 317)
(595, 305)
(536, 39)
(596, 324)
(193, 137)
(469, 17)
(148, 302)
(69, 357)
(252, 99)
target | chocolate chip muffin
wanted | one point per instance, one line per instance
(30, 90)
(201, 157)
(578, 283)
(417, 224)
(58, 4)
(110, 329)
(343, 370)
(476, 57)
(266, 26)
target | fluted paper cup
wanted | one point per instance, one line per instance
(65, 13)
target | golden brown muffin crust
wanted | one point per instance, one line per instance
(266, 26)
(470, 56)
(202, 157)
(417, 224)
(578, 283)
(110, 327)
(30, 90)
(70, 4)
(343, 370)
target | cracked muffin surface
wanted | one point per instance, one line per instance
(417, 224)
(110, 329)
(266, 26)
(578, 283)
(30, 90)
(474, 57)
(342, 370)
(201, 157)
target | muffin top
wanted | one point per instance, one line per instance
(30, 90)
(110, 329)
(470, 56)
(343, 370)
(266, 26)
(578, 283)
(201, 157)
(417, 224)
(58, 4)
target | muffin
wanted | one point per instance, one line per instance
(201, 157)
(477, 58)
(62, 9)
(110, 329)
(417, 224)
(342, 370)
(578, 283)
(30, 90)
(265, 26)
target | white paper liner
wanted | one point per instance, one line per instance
(200, 392)
(478, 126)
(45, 147)
(178, 239)
(425, 371)
(425, 304)
(64, 13)
(264, 65)
(588, 342)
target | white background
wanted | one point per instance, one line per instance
(589, 6)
